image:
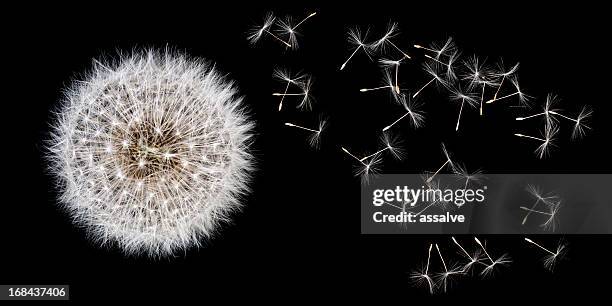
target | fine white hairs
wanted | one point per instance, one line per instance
(151, 152)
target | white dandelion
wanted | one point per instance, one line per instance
(552, 257)
(151, 152)
(257, 32)
(357, 39)
(315, 137)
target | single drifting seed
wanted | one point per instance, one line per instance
(353, 156)
(416, 117)
(472, 259)
(439, 51)
(484, 249)
(504, 74)
(537, 193)
(258, 32)
(355, 38)
(392, 31)
(391, 144)
(316, 134)
(552, 257)
(434, 77)
(424, 275)
(448, 161)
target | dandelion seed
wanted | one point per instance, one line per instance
(444, 276)
(503, 73)
(540, 197)
(447, 47)
(448, 65)
(461, 172)
(315, 138)
(422, 276)
(387, 63)
(472, 258)
(552, 257)
(358, 40)
(500, 261)
(381, 44)
(457, 94)
(447, 162)
(365, 170)
(257, 32)
(287, 28)
(523, 98)
(391, 144)
(412, 112)
(387, 84)
(478, 75)
(547, 140)
(551, 213)
(285, 75)
(579, 122)
(435, 77)
(551, 101)
(306, 103)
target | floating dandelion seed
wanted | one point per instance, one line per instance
(151, 152)
(315, 138)
(288, 29)
(579, 122)
(478, 75)
(387, 84)
(444, 276)
(522, 97)
(547, 140)
(306, 102)
(461, 172)
(552, 257)
(365, 170)
(422, 276)
(503, 74)
(391, 144)
(358, 40)
(551, 101)
(458, 94)
(447, 162)
(448, 64)
(381, 44)
(435, 77)
(412, 110)
(435, 48)
(540, 197)
(472, 258)
(551, 213)
(284, 75)
(391, 64)
(257, 32)
(500, 261)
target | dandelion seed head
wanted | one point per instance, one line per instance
(149, 118)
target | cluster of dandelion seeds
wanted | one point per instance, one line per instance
(151, 152)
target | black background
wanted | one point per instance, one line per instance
(299, 232)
